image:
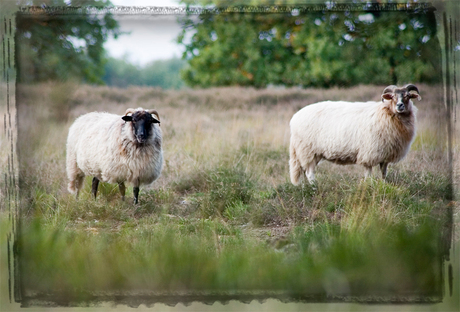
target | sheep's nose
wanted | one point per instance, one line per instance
(141, 137)
(400, 106)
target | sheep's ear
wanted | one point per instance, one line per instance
(387, 96)
(155, 120)
(127, 118)
(413, 91)
(155, 115)
(415, 95)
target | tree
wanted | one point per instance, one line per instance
(163, 73)
(160, 73)
(53, 46)
(121, 73)
(318, 48)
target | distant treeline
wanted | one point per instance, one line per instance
(161, 73)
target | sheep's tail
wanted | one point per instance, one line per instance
(295, 169)
(72, 171)
(72, 176)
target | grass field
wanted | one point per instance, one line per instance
(224, 217)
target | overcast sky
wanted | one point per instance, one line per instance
(151, 37)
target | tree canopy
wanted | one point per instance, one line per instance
(310, 48)
(53, 46)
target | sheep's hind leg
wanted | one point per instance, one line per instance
(78, 182)
(383, 168)
(310, 172)
(122, 188)
(368, 171)
(94, 186)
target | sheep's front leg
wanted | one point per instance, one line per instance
(136, 191)
(122, 188)
(136, 194)
(383, 168)
(94, 186)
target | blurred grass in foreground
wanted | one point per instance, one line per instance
(161, 256)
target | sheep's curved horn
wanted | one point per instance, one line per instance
(386, 94)
(389, 89)
(413, 91)
(129, 111)
(411, 87)
(153, 112)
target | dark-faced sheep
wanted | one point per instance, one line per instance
(365, 133)
(115, 149)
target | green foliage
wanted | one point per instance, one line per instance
(310, 49)
(62, 47)
(350, 251)
(162, 73)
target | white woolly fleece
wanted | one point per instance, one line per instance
(103, 145)
(366, 133)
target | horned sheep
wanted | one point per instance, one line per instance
(115, 149)
(365, 133)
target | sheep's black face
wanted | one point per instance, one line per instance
(142, 123)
